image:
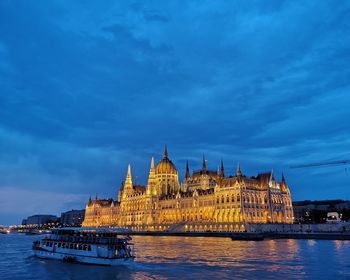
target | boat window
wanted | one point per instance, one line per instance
(59, 245)
(80, 247)
(89, 247)
(71, 246)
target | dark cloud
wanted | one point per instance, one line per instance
(87, 88)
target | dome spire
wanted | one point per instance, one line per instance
(165, 151)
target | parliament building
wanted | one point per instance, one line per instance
(206, 200)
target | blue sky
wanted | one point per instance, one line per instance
(87, 87)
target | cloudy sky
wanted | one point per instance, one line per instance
(87, 87)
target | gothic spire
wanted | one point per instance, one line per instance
(187, 171)
(222, 170)
(152, 163)
(204, 166)
(151, 179)
(284, 184)
(128, 181)
(129, 171)
(121, 185)
(238, 173)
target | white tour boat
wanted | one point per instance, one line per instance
(100, 246)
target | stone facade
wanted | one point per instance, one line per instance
(205, 201)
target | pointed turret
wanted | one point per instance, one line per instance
(121, 188)
(128, 187)
(129, 171)
(238, 173)
(271, 175)
(187, 176)
(204, 166)
(120, 192)
(271, 180)
(89, 200)
(222, 169)
(152, 163)
(284, 186)
(151, 188)
(96, 198)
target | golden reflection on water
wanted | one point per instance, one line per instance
(269, 255)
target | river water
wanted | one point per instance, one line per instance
(190, 258)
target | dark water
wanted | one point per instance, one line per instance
(190, 258)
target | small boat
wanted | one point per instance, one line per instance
(247, 236)
(99, 246)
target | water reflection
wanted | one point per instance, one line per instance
(270, 255)
(190, 258)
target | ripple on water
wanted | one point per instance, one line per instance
(189, 258)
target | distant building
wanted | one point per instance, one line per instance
(40, 220)
(72, 217)
(316, 211)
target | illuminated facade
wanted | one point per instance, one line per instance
(205, 201)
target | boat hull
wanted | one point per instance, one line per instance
(80, 258)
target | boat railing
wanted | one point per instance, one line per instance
(85, 239)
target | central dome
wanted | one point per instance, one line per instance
(166, 166)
